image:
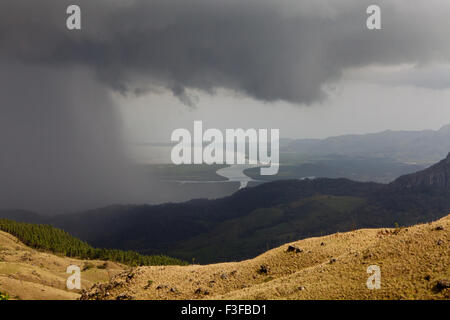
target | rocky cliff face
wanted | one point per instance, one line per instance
(437, 175)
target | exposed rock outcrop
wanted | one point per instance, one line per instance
(437, 175)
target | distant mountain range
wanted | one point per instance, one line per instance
(255, 219)
(421, 147)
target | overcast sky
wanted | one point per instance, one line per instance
(138, 69)
(366, 100)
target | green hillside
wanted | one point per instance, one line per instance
(45, 237)
(266, 228)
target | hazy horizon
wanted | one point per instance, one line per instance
(435, 129)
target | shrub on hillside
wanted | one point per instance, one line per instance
(4, 296)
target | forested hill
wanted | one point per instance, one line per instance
(259, 218)
(54, 240)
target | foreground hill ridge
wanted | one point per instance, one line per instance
(414, 264)
(30, 274)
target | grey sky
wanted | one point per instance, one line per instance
(363, 101)
(308, 67)
(269, 50)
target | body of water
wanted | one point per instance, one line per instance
(236, 173)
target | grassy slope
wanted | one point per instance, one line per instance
(27, 273)
(412, 260)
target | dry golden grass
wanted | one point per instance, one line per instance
(412, 260)
(30, 274)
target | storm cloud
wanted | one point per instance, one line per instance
(270, 50)
(60, 139)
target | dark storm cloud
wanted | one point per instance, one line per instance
(59, 137)
(270, 50)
